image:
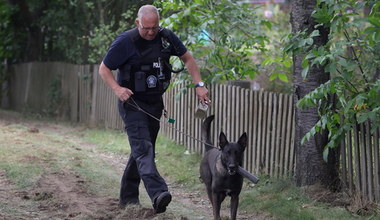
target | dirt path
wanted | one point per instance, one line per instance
(64, 195)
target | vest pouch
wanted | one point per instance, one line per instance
(124, 75)
(140, 85)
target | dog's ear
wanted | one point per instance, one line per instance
(243, 141)
(222, 140)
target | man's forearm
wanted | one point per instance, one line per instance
(194, 71)
(108, 76)
(192, 67)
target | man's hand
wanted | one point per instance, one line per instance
(192, 67)
(202, 94)
(123, 93)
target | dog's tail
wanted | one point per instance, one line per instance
(206, 130)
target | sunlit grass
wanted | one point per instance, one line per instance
(107, 140)
(175, 161)
(30, 155)
(282, 199)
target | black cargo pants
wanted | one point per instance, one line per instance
(142, 132)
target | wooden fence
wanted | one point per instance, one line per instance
(360, 165)
(267, 118)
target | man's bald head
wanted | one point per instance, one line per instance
(148, 10)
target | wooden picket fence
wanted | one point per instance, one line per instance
(267, 117)
(360, 162)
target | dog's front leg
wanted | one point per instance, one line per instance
(216, 204)
(234, 206)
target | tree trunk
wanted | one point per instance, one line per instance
(310, 166)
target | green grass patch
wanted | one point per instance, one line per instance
(175, 161)
(26, 156)
(283, 200)
(107, 140)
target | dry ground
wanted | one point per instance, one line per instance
(64, 195)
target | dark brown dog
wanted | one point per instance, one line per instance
(218, 169)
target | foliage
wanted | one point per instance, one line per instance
(222, 35)
(61, 30)
(66, 26)
(103, 35)
(276, 64)
(352, 58)
(8, 45)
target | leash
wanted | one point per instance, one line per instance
(167, 124)
(240, 170)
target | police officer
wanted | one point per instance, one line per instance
(141, 56)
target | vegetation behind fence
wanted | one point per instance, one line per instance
(267, 118)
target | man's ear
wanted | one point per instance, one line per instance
(137, 22)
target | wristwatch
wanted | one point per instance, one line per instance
(200, 84)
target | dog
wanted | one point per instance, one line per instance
(218, 169)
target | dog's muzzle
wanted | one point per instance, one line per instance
(231, 170)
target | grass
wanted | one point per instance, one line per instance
(107, 140)
(34, 154)
(176, 162)
(25, 161)
(283, 200)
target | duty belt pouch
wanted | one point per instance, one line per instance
(140, 85)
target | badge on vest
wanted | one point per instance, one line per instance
(165, 43)
(151, 81)
(156, 65)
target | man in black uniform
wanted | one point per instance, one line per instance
(141, 56)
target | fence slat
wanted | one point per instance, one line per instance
(369, 160)
(269, 130)
(363, 163)
(357, 158)
(350, 167)
(289, 135)
(377, 165)
(272, 164)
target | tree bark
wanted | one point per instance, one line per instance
(310, 166)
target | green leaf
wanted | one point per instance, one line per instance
(273, 76)
(315, 33)
(267, 61)
(287, 63)
(331, 67)
(370, 30)
(362, 118)
(305, 63)
(374, 20)
(310, 55)
(309, 41)
(325, 154)
(305, 71)
(267, 24)
(283, 77)
(376, 36)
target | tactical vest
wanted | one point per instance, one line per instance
(149, 79)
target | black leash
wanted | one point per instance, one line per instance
(240, 170)
(167, 124)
